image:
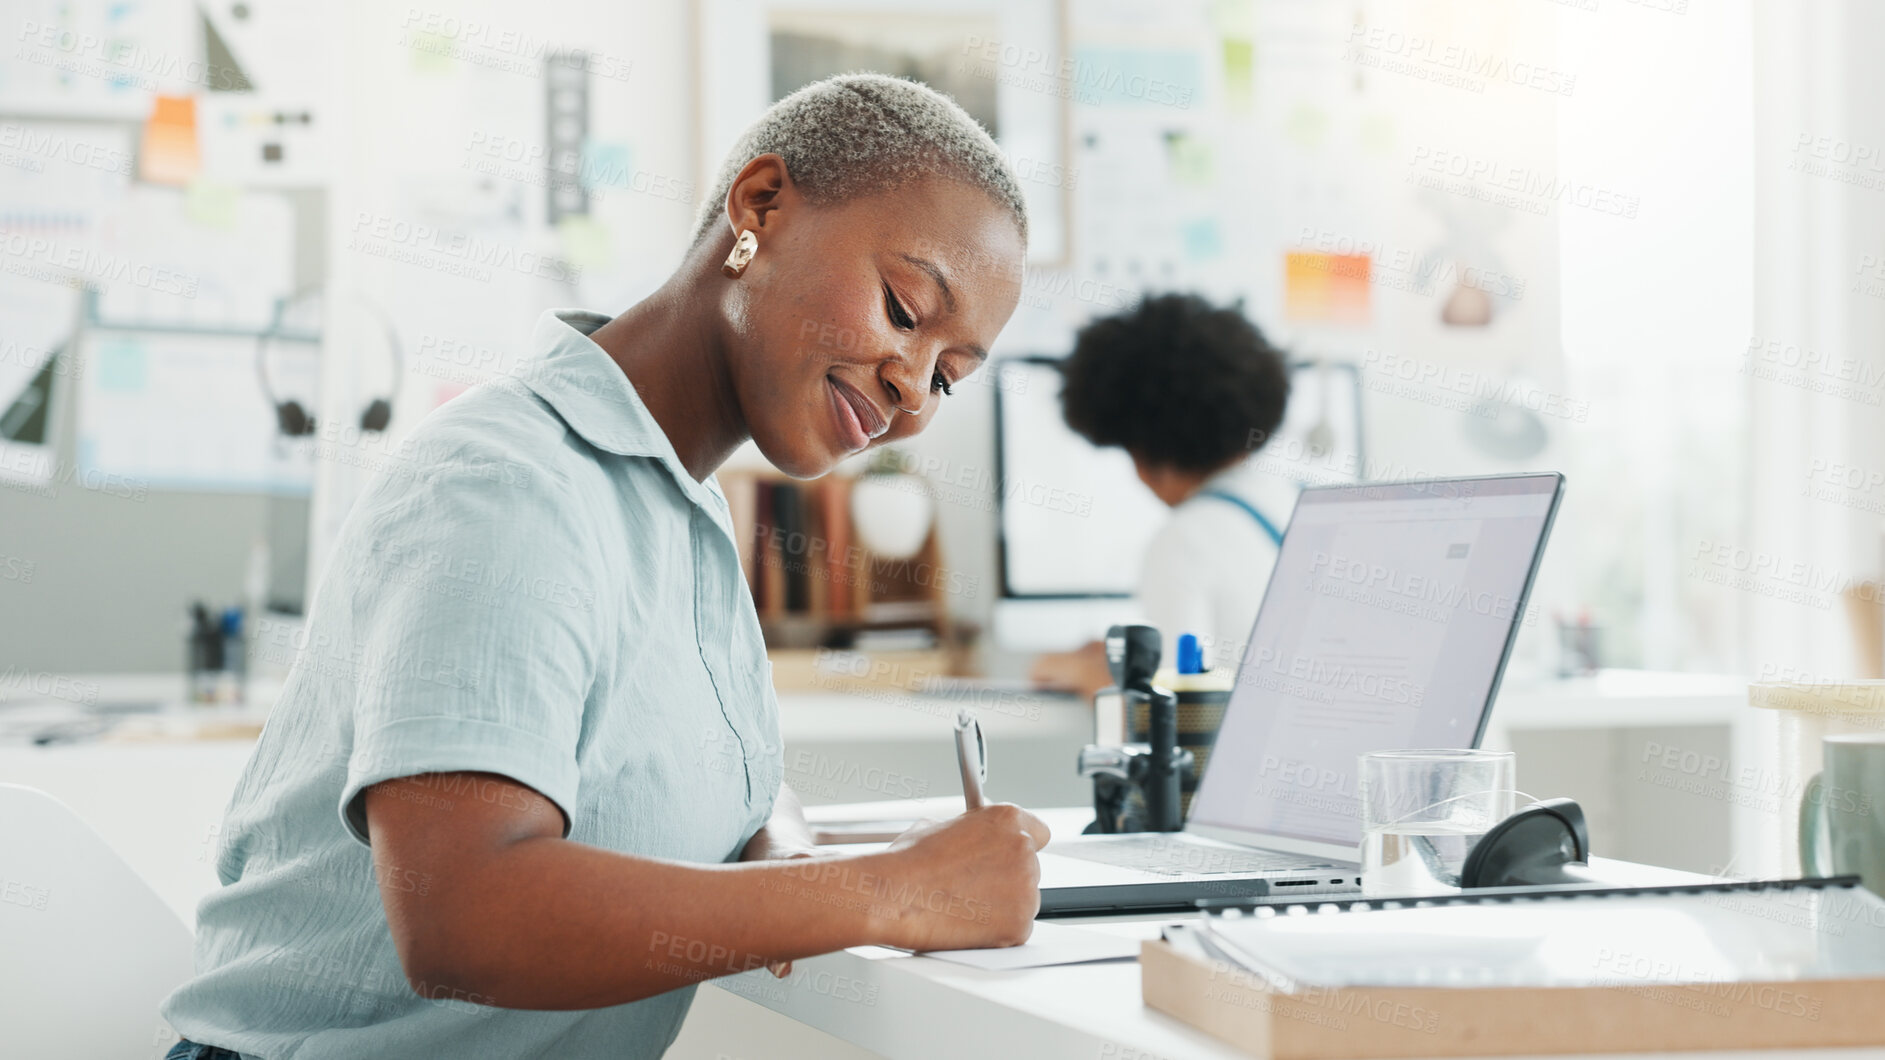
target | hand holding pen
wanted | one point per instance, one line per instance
(972, 758)
(981, 879)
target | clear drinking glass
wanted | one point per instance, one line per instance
(1422, 811)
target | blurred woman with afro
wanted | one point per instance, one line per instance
(1191, 392)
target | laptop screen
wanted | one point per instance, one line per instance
(1387, 622)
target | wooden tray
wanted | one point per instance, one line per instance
(1339, 1023)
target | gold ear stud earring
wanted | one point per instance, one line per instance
(744, 248)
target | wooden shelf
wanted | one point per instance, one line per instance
(813, 583)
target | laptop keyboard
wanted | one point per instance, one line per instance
(1174, 854)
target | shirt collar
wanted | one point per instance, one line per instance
(594, 397)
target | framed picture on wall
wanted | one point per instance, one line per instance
(1000, 59)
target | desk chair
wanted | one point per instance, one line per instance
(87, 949)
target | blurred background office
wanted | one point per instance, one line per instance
(247, 245)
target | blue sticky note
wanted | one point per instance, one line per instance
(607, 164)
(1136, 77)
(121, 367)
(1202, 239)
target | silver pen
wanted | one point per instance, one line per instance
(972, 756)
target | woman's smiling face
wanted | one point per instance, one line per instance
(856, 318)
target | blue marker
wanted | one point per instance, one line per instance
(1190, 654)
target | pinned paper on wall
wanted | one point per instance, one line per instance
(1130, 209)
(607, 164)
(97, 59)
(1307, 125)
(1326, 288)
(184, 411)
(1232, 18)
(1377, 133)
(1125, 77)
(585, 241)
(1192, 159)
(59, 182)
(171, 153)
(1240, 73)
(212, 204)
(195, 257)
(1202, 239)
(253, 143)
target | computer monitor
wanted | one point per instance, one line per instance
(1387, 623)
(1075, 520)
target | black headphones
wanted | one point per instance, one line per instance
(291, 417)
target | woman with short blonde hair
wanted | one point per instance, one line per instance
(524, 787)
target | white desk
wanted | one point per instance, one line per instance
(925, 1009)
(917, 1008)
(158, 801)
(1621, 698)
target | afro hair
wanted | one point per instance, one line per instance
(1176, 382)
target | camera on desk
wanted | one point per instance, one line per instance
(1137, 787)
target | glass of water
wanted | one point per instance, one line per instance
(1422, 811)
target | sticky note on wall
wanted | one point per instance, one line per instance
(1240, 73)
(171, 153)
(1125, 77)
(1326, 288)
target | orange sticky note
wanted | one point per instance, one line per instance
(1326, 288)
(171, 153)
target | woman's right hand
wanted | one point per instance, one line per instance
(969, 882)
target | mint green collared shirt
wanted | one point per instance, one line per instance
(535, 588)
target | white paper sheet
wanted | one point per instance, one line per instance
(1051, 944)
(167, 258)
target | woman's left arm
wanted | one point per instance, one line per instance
(786, 835)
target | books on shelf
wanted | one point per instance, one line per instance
(812, 582)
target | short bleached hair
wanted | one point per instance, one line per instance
(853, 135)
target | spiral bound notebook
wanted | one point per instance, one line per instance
(1785, 931)
(1519, 971)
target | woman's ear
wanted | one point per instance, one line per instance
(760, 189)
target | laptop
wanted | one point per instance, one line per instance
(1387, 623)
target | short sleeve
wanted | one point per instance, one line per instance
(475, 622)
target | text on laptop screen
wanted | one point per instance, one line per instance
(1386, 620)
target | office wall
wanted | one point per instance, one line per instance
(1319, 144)
(473, 172)
(113, 570)
(1816, 345)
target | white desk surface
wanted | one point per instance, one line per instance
(1609, 698)
(160, 811)
(157, 794)
(1622, 698)
(917, 1008)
